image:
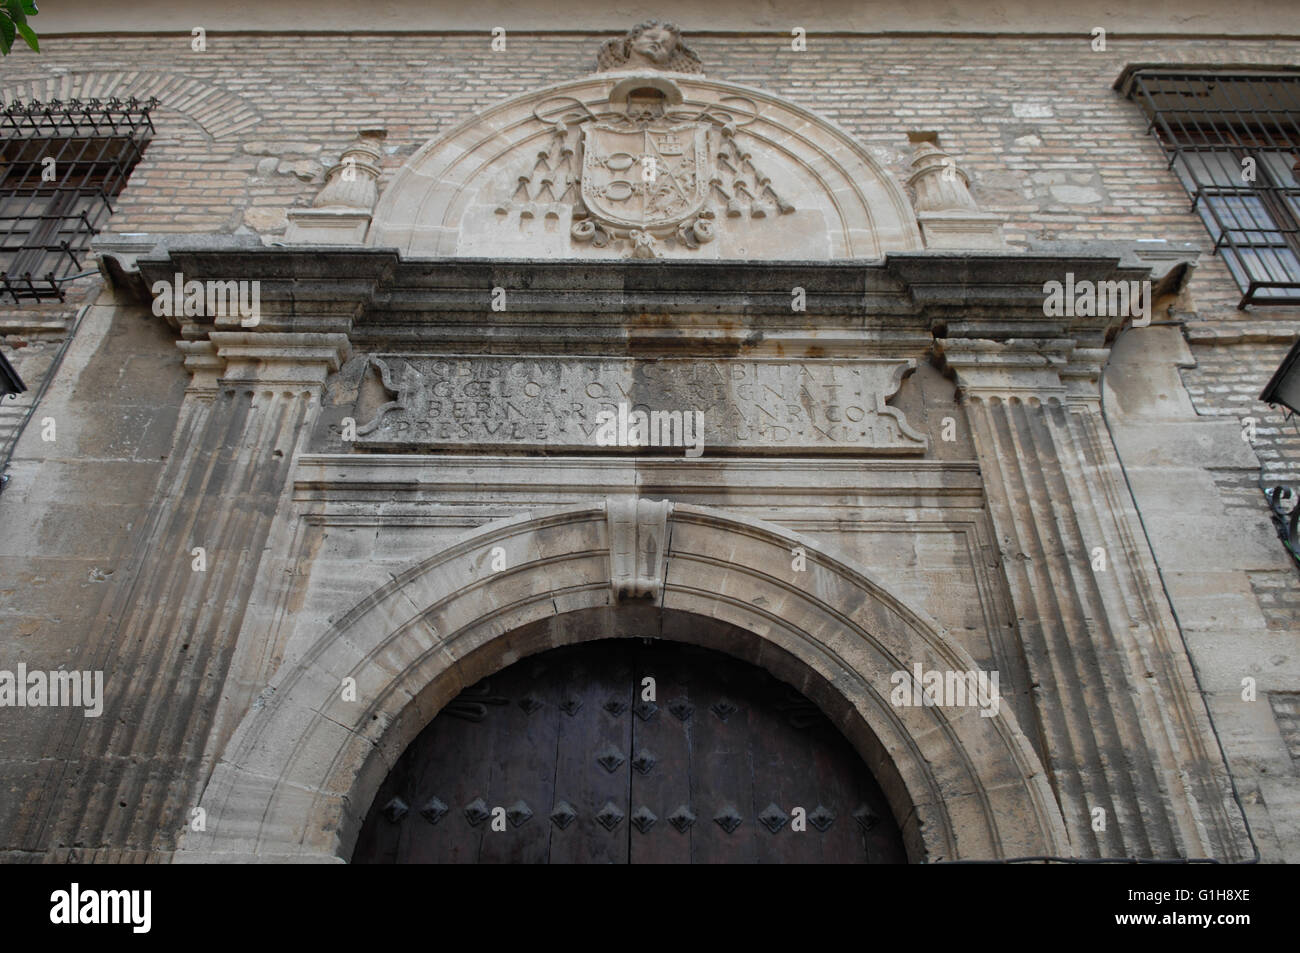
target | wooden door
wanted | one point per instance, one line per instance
(562, 759)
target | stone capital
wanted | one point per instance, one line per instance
(1024, 367)
(248, 358)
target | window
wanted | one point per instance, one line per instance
(1233, 140)
(61, 166)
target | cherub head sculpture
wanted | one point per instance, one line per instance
(650, 45)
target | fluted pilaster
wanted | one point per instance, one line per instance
(172, 623)
(1124, 728)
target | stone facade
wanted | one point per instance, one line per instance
(948, 458)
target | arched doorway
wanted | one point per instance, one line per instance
(301, 771)
(727, 765)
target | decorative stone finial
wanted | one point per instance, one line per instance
(940, 186)
(648, 46)
(945, 209)
(353, 183)
(340, 214)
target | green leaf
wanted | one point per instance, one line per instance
(29, 7)
(15, 8)
(6, 34)
(29, 36)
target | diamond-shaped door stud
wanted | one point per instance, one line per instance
(563, 815)
(530, 704)
(724, 709)
(866, 817)
(609, 816)
(432, 810)
(681, 819)
(476, 812)
(643, 761)
(571, 706)
(610, 759)
(616, 706)
(728, 818)
(773, 818)
(519, 813)
(395, 810)
(821, 818)
(681, 709)
(643, 819)
(645, 710)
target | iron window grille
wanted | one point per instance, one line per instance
(1233, 139)
(61, 166)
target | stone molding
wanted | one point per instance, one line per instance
(267, 360)
(278, 360)
(734, 21)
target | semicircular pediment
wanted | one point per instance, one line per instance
(649, 164)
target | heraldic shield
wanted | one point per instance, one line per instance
(645, 178)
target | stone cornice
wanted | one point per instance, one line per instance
(895, 303)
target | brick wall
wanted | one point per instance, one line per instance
(1046, 140)
(1231, 370)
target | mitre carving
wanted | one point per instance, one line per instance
(648, 46)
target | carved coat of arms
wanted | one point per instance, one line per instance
(647, 171)
(652, 178)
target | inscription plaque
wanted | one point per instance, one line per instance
(553, 403)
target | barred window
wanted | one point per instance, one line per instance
(1233, 140)
(61, 167)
